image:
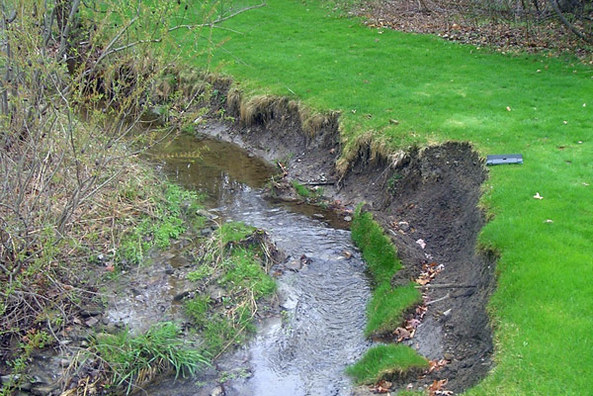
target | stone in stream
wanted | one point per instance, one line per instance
(294, 265)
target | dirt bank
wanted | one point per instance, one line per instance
(426, 199)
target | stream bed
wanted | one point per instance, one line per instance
(303, 351)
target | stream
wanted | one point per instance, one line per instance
(320, 332)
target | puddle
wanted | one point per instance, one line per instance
(305, 351)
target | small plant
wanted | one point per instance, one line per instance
(244, 272)
(197, 308)
(172, 212)
(202, 272)
(130, 360)
(301, 190)
(233, 232)
(391, 183)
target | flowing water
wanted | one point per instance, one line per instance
(305, 351)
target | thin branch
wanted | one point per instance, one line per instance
(66, 30)
(554, 4)
(219, 20)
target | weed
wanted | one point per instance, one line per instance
(173, 210)
(130, 360)
(391, 183)
(233, 232)
(301, 190)
(197, 308)
(243, 271)
(202, 272)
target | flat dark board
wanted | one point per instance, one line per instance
(504, 159)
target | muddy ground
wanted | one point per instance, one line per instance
(426, 200)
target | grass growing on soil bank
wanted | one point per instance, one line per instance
(385, 361)
(414, 89)
(232, 271)
(385, 310)
(387, 305)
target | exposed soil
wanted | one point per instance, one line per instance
(423, 197)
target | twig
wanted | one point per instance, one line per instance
(438, 299)
(445, 286)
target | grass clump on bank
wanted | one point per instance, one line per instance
(135, 360)
(233, 267)
(385, 361)
(387, 305)
(385, 310)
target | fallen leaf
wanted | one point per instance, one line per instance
(436, 388)
(382, 386)
(537, 196)
(402, 334)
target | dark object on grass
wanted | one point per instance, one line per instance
(504, 159)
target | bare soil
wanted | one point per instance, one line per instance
(424, 196)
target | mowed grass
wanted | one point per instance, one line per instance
(438, 91)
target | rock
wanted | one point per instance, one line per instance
(181, 296)
(208, 215)
(318, 216)
(348, 218)
(216, 293)
(347, 254)
(421, 243)
(92, 321)
(91, 310)
(169, 270)
(294, 265)
(218, 391)
(206, 231)
(404, 226)
(64, 362)
(45, 389)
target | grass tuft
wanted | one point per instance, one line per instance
(134, 360)
(377, 250)
(386, 361)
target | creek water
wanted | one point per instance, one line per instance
(305, 351)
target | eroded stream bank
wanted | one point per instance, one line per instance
(427, 202)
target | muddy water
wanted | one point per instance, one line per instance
(320, 332)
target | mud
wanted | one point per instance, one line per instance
(421, 197)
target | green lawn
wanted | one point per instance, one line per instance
(439, 91)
